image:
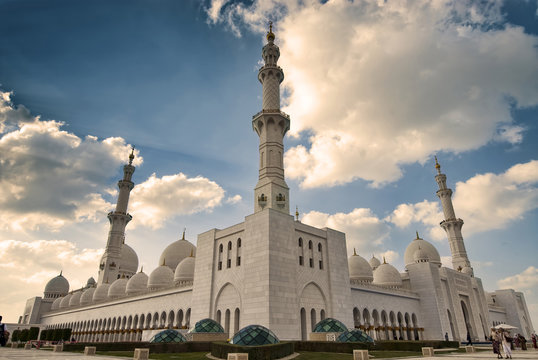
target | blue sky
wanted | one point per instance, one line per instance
(374, 92)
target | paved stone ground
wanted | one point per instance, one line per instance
(20, 354)
(516, 355)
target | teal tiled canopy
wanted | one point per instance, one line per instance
(329, 325)
(207, 326)
(354, 335)
(168, 336)
(254, 335)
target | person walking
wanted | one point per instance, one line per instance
(506, 341)
(496, 343)
(446, 336)
(3, 332)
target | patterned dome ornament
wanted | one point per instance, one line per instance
(254, 335)
(354, 335)
(168, 336)
(329, 325)
(207, 326)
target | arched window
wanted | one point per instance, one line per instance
(221, 248)
(301, 252)
(310, 245)
(311, 254)
(229, 255)
(320, 248)
(238, 258)
(300, 242)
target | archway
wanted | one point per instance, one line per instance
(467, 319)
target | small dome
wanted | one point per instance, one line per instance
(354, 335)
(161, 278)
(129, 260)
(254, 335)
(87, 296)
(57, 286)
(207, 326)
(374, 262)
(429, 249)
(168, 336)
(387, 275)
(65, 301)
(137, 284)
(117, 289)
(56, 304)
(91, 282)
(177, 251)
(359, 268)
(330, 325)
(184, 271)
(101, 292)
(75, 299)
(420, 256)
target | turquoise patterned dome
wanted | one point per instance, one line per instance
(168, 336)
(329, 325)
(354, 335)
(207, 326)
(254, 335)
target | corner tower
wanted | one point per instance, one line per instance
(271, 125)
(110, 262)
(452, 225)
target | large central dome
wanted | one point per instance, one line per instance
(177, 251)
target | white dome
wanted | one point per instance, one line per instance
(117, 289)
(185, 270)
(387, 275)
(75, 299)
(101, 292)
(177, 251)
(137, 284)
(374, 262)
(161, 278)
(57, 286)
(56, 304)
(428, 248)
(420, 256)
(359, 268)
(65, 301)
(129, 260)
(87, 296)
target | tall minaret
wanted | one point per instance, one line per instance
(271, 125)
(109, 267)
(452, 225)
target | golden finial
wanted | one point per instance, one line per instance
(142, 269)
(297, 213)
(183, 236)
(270, 35)
(437, 166)
(417, 235)
(354, 252)
(131, 156)
(384, 261)
(192, 253)
(61, 272)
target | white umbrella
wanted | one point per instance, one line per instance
(505, 327)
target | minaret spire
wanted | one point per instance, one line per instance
(452, 225)
(271, 125)
(109, 267)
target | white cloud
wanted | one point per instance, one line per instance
(364, 230)
(523, 281)
(234, 199)
(27, 266)
(382, 84)
(50, 177)
(485, 202)
(158, 199)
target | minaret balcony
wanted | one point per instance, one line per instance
(262, 200)
(271, 111)
(281, 200)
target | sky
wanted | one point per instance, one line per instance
(375, 89)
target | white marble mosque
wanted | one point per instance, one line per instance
(275, 271)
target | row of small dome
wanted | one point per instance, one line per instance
(384, 274)
(161, 278)
(256, 335)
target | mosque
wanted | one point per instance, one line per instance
(275, 271)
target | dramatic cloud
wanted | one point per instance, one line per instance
(28, 266)
(485, 201)
(364, 230)
(158, 199)
(378, 85)
(50, 177)
(525, 280)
